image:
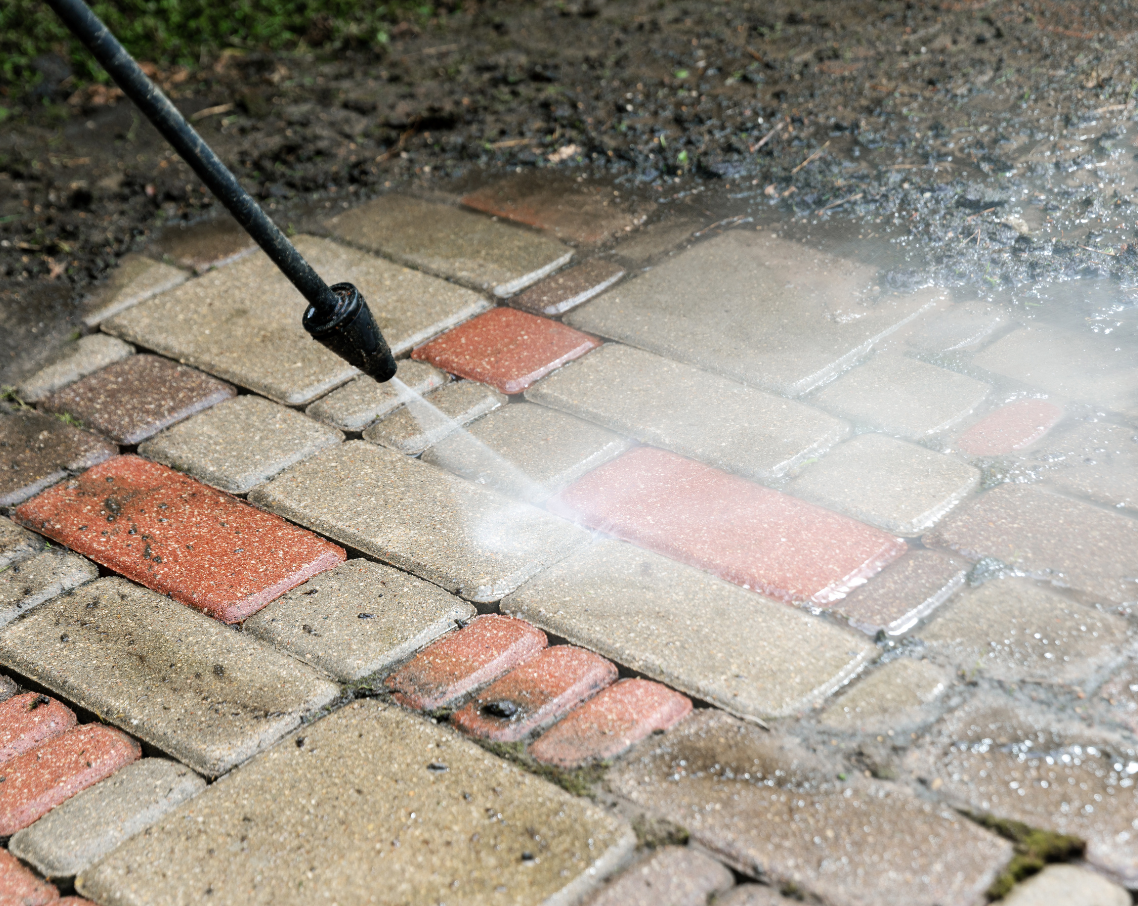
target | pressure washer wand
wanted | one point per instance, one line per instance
(337, 316)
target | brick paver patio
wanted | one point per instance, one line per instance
(751, 581)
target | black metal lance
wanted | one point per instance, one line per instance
(337, 316)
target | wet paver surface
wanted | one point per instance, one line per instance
(710, 564)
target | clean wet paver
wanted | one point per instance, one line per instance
(457, 664)
(1072, 543)
(957, 327)
(1014, 630)
(535, 694)
(1067, 884)
(895, 485)
(77, 360)
(243, 323)
(471, 541)
(358, 619)
(363, 400)
(506, 348)
(17, 543)
(82, 830)
(483, 831)
(173, 677)
(37, 450)
(765, 311)
(137, 397)
(240, 443)
(891, 697)
(1012, 427)
(21, 887)
(610, 722)
(28, 721)
(903, 397)
(672, 875)
(28, 584)
(1097, 460)
(526, 450)
(569, 288)
(420, 423)
(135, 279)
(750, 535)
(691, 412)
(768, 807)
(904, 593)
(179, 536)
(635, 608)
(469, 248)
(39, 780)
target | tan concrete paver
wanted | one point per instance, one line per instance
(77, 360)
(1096, 460)
(391, 803)
(418, 424)
(363, 400)
(28, 584)
(673, 875)
(205, 245)
(1067, 884)
(960, 326)
(16, 543)
(135, 280)
(890, 698)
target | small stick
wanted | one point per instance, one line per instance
(835, 204)
(766, 138)
(978, 213)
(1099, 251)
(810, 158)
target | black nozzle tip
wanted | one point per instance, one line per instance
(349, 330)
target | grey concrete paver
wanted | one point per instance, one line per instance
(37, 450)
(890, 698)
(958, 327)
(672, 875)
(240, 443)
(76, 834)
(765, 311)
(393, 807)
(567, 289)
(755, 895)
(469, 540)
(243, 322)
(549, 449)
(637, 608)
(16, 543)
(901, 396)
(470, 248)
(28, 584)
(358, 619)
(897, 486)
(657, 239)
(363, 400)
(768, 807)
(135, 280)
(1067, 884)
(175, 678)
(418, 424)
(904, 593)
(691, 412)
(1097, 460)
(77, 360)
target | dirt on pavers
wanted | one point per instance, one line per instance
(991, 141)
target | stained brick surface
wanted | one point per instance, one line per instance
(567, 289)
(610, 722)
(137, 397)
(535, 694)
(37, 450)
(28, 584)
(39, 780)
(1011, 427)
(506, 349)
(16, 543)
(205, 245)
(180, 537)
(460, 662)
(28, 721)
(750, 535)
(19, 887)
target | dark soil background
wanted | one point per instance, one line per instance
(990, 144)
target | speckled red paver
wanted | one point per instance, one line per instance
(506, 349)
(38, 781)
(750, 535)
(610, 722)
(1011, 427)
(19, 887)
(535, 694)
(464, 660)
(179, 537)
(29, 720)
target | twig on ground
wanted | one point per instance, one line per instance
(810, 158)
(837, 204)
(766, 138)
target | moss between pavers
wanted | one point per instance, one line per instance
(1034, 849)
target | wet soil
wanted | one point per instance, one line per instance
(987, 145)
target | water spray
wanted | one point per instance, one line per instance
(337, 316)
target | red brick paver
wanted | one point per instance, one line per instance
(464, 660)
(179, 537)
(535, 694)
(29, 720)
(610, 722)
(136, 398)
(750, 535)
(38, 781)
(506, 349)
(19, 887)
(1011, 427)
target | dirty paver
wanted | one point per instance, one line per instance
(17, 543)
(484, 831)
(891, 698)
(179, 537)
(28, 584)
(363, 400)
(560, 292)
(469, 540)
(750, 535)
(137, 397)
(240, 443)
(77, 360)
(422, 422)
(205, 245)
(37, 450)
(175, 678)
(674, 875)
(691, 412)
(28, 721)
(135, 280)
(1012, 427)
(903, 593)
(358, 619)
